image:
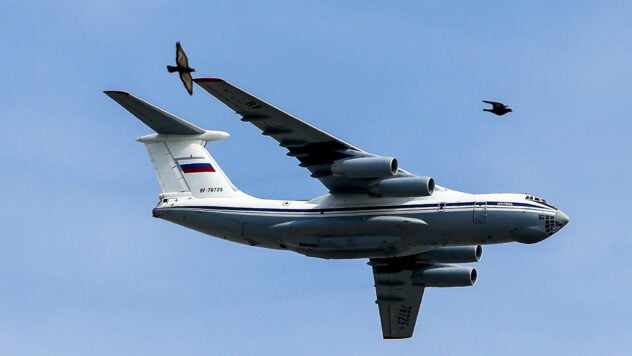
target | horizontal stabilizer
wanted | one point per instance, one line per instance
(159, 120)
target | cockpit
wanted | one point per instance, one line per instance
(539, 200)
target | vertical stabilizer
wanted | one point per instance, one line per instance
(186, 166)
(177, 151)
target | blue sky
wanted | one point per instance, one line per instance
(87, 270)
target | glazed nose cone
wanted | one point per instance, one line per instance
(561, 219)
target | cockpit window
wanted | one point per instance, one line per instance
(539, 200)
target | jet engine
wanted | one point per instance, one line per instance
(441, 275)
(366, 167)
(404, 187)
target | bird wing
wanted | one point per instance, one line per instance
(181, 57)
(187, 81)
(492, 102)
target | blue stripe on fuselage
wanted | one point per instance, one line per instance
(365, 208)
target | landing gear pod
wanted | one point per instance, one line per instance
(452, 254)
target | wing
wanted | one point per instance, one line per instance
(181, 57)
(398, 300)
(492, 102)
(159, 120)
(187, 81)
(315, 149)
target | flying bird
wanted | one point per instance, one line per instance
(182, 67)
(497, 108)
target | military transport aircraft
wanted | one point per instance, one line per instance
(411, 230)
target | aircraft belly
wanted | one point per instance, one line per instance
(351, 236)
(366, 236)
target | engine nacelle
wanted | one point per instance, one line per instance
(366, 167)
(456, 254)
(445, 276)
(404, 187)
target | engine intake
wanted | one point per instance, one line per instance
(366, 167)
(445, 276)
(404, 187)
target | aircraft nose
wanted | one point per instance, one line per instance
(561, 219)
(537, 233)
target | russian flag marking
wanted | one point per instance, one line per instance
(197, 167)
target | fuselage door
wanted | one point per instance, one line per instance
(480, 212)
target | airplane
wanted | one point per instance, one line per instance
(413, 232)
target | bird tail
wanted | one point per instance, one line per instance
(172, 69)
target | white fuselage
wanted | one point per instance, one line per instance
(360, 226)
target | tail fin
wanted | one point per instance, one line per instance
(177, 152)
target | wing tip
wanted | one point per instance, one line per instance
(395, 337)
(205, 80)
(110, 92)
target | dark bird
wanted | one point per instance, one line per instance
(497, 108)
(182, 67)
